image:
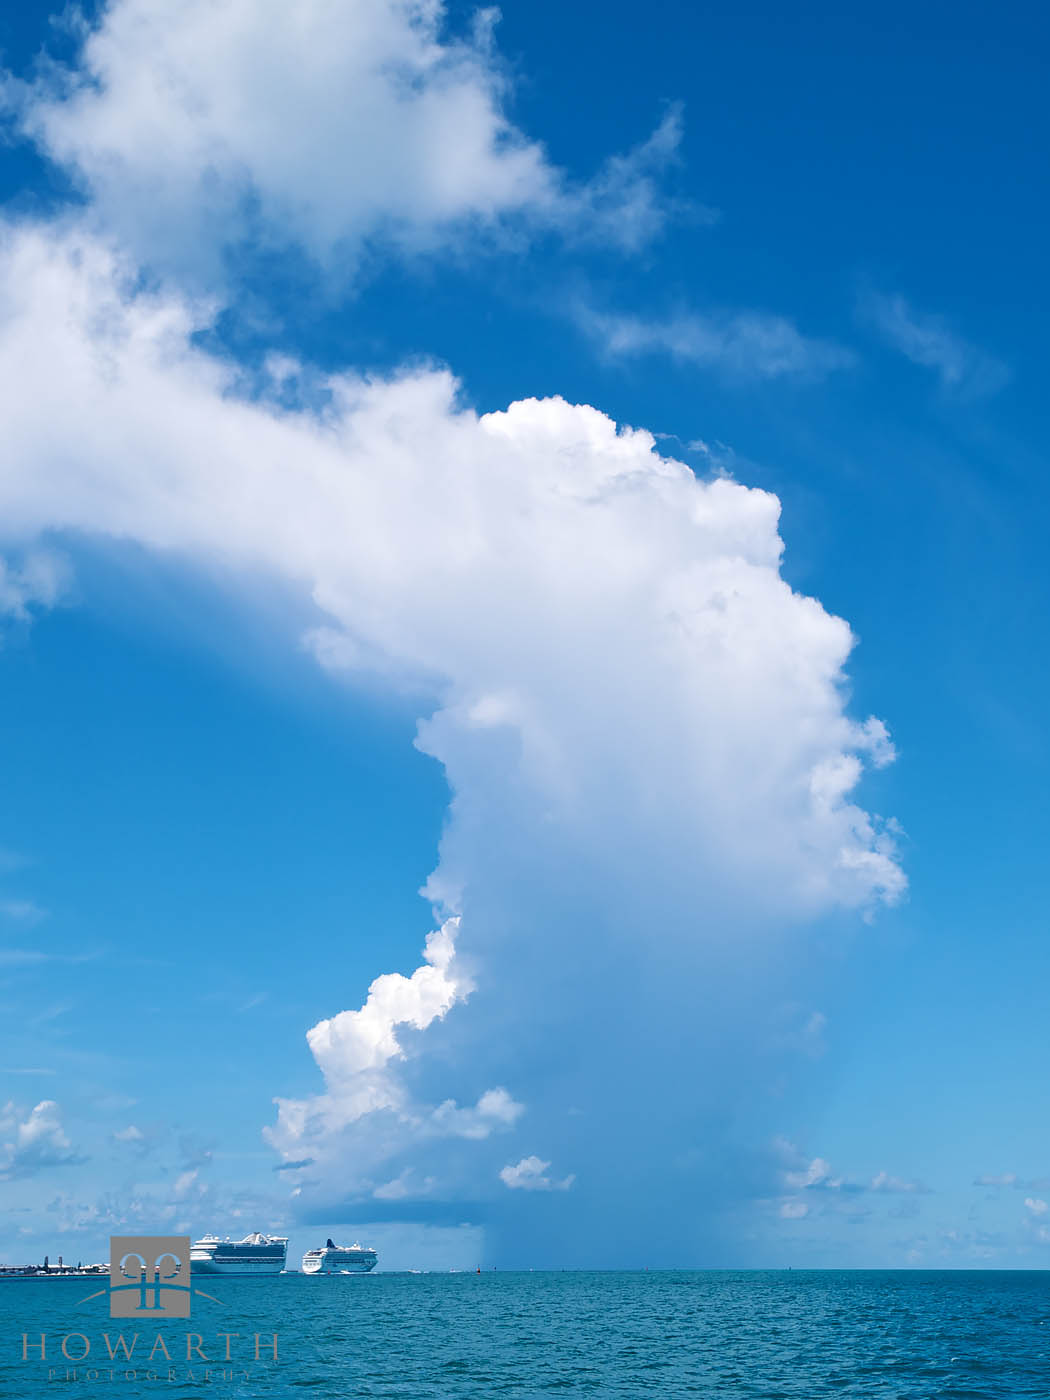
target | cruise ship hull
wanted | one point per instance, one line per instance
(236, 1266)
(256, 1255)
(339, 1261)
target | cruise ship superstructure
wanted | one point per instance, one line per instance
(255, 1254)
(339, 1259)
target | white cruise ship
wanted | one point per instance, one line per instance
(339, 1259)
(255, 1254)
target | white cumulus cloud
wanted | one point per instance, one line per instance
(793, 1210)
(897, 1185)
(536, 569)
(34, 1142)
(530, 1174)
(335, 126)
(815, 1173)
(366, 1113)
(357, 1041)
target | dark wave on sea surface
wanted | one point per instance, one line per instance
(764, 1335)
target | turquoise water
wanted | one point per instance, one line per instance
(720, 1334)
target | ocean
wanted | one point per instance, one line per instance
(723, 1334)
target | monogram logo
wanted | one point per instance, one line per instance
(149, 1276)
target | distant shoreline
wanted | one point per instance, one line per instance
(13, 1271)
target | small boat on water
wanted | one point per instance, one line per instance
(340, 1259)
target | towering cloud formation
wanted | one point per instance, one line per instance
(644, 729)
(594, 622)
(643, 726)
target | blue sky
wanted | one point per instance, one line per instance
(806, 253)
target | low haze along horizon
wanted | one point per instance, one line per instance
(522, 621)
